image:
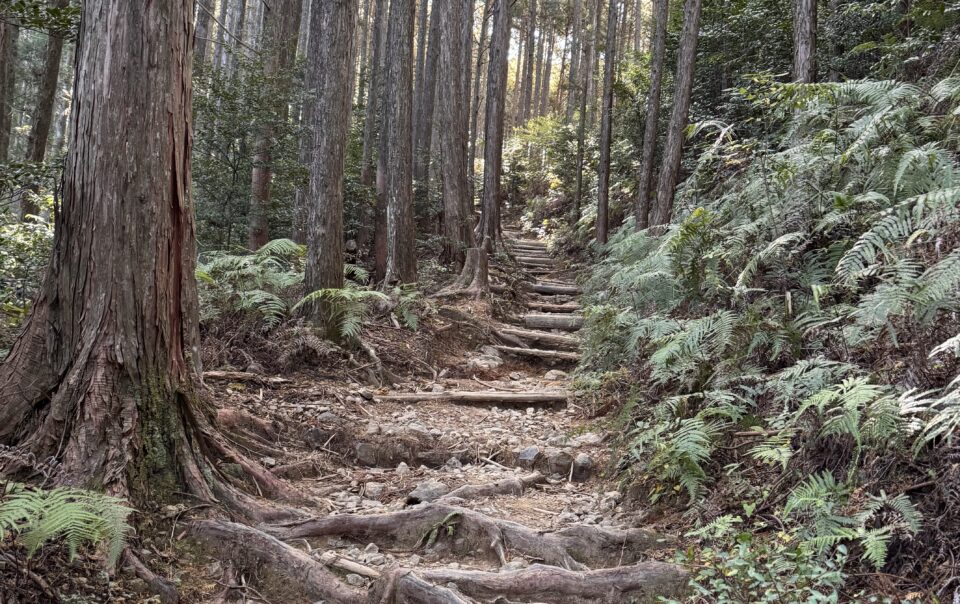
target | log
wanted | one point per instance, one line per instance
(547, 307)
(531, 261)
(565, 322)
(540, 354)
(507, 486)
(554, 289)
(642, 582)
(545, 337)
(536, 396)
(243, 376)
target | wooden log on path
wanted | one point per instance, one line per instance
(566, 322)
(548, 307)
(493, 397)
(545, 337)
(541, 354)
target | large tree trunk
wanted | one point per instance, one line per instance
(593, 64)
(9, 36)
(219, 51)
(425, 108)
(477, 88)
(422, 14)
(364, 45)
(401, 237)
(575, 52)
(238, 27)
(805, 41)
(530, 49)
(606, 125)
(548, 73)
(538, 78)
(638, 26)
(101, 376)
(43, 116)
(375, 95)
(649, 150)
(281, 29)
(686, 60)
(493, 138)
(204, 10)
(333, 28)
(457, 230)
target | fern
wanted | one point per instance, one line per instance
(74, 516)
(342, 309)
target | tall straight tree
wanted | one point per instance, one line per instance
(638, 26)
(494, 122)
(547, 75)
(529, 68)
(422, 13)
(333, 28)
(375, 93)
(686, 61)
(457, 230)
(204, 11)
(401, 237)
(9, 36)
(482, 46)
(46, 99)
(425, 107)
(805, 40)
(606, 125)
(281, 29)
(573, 86)
(642, 205)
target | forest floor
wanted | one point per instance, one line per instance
(473, 477)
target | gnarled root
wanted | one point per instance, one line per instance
(507, 486)
(474, 279)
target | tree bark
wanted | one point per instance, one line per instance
(530, 48)
(425, 109)
(606, 125)
(494, 123)
(9, 36)
(538, 74)
(218, 48)
(649, 150)
(805, 41)
(101, 377)
(333, 28)
(686, 60)
(204, 10)
(401, 237)
(475, 108)
(547, 75)
(575, 52)
(43, 116)
(422, 14)
(593, 62)
(362, 59)
(281, 29)
(375, 96)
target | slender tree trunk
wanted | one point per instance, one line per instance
(401, 237)
(594, 63)
(467, 19)
(333, 27)
(281, 28)
(493, 139)
(529, 63)
(606, 125)
(805, 41)
(375, 96)
(575, 52)
(101, 377)
(642, 208)
(425, 109)
(517, 100)
(686, 60)
(638, 26)
(219, 52)
(9, 36)
(547, 75)
(422, 14)
(538, 74)
(563, 69)
(43, 116)
(204, 10)
(475, 109)
(364, 67)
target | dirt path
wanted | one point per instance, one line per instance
(483, 484)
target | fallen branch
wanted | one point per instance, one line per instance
(537, 396)
(507, 486)
(243, 376)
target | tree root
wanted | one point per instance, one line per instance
(507, 486)
(571, 548)
(165, 590)
(474, 279)
(539, 396)
(642, 582)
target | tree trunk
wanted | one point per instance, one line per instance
(805, 41)
(422, 14)
(43, 116)
(362, 59)
(425, 109)
(101, 376)
(9, 36)
(594, 64)
(401, 237)
(538, 77)
(281, 29)
(204, 10)
(686, 60)
(530, 49)
(375, 96)
(333, 28)
(548, 73)
(575, 52)
(606, 125)
(219, 58)
(493, 138)
(642, 208)
(475, 108)
(638, 26)
(239, 26)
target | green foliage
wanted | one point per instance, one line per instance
(343, 310)
(36, 517)
(23, 260)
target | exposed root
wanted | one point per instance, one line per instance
(643, 582)
(539, 396)
(507, 486)
(165, 590)
(243, 376)
(474, 279)
(572, 548)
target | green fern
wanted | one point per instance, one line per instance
(343, 310)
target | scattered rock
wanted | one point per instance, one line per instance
(413, 560)
(269, 462)
(555, 375)
(366, 395)
(453, 464)
(558, 461)
(402, 469)
(516, 564)
(317, 438)
(582, 467)
(430, 490)
(484, 363)
(367, 454)
(437, 388)
(528, 457)
(516, 376)
(374, 489)
(329, 417)
(355, 580)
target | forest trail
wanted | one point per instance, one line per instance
(493, 487)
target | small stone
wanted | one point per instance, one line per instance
(430, 490)
(555, 375)
(516, 564)
(582, 467)
(317, 438)
(528, 457)
(350, 245)
(373, 428)
(531, 410)
(371, 548)
(558, 461)
(374, 489)
(516, 376)
(437, 388)
(402, 469)
(413, 560)
(355, 580)
(269, 462)
(367, 454)
(329, 417)
(490, 351)
(453, 464)
(366, 395)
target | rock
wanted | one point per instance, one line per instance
(418, 430)
(373, 428)
(589, 439)
(269, 462)
(355, 580)
(558, 461)
(351, 245)
(374, 490)
(366, 395)
(516, 564)
(558, 440)
(402, 469)
(582, 467)
(531, 410)
(413, 560)
(516, 376)
(453, 464)
(329, 417)
(528, 457)
(555, 375)
(430, 490)
(317, 438)
(437, 388)
(367, 454)
(371, 548)
(484, 363)
(490, 351)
